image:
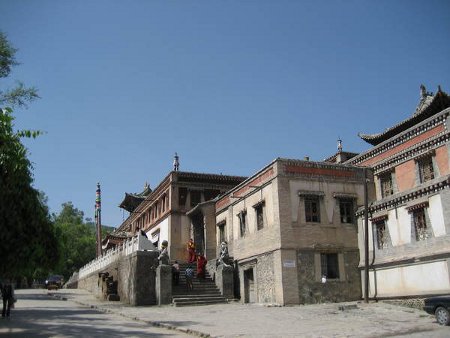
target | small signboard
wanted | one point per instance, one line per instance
(288, 263)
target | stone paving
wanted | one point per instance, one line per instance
(357, 319)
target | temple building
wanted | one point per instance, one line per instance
(162, 213)
(409, 218)
(292, 232)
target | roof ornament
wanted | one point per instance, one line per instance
(423, 92)
(176, 162)
(339, 145)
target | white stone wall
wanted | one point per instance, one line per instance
(408, 280)
(436, 216)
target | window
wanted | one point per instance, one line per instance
(221, 227)
(182, 194)
(387, 188)
(382, 234)
(312, 209)
(420, 224)
(346, 210)
(195, 197)
(330, 265)
(259, 210)
(426, 171)
(242, 222)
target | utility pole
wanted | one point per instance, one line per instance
(366, 239)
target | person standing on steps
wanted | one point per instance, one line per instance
(201, 266)
(189, 274)
(191, 251)
(176, 272)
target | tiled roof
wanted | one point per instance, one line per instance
(428, 106)
(131, 201)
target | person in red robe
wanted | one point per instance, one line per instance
(201, 266)
(191, 251)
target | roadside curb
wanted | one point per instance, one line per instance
(150, 322)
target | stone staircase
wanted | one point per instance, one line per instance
(205, 291)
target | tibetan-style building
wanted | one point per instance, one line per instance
(292, 232)
(162, 213)
(409, 220)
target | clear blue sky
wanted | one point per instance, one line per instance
(229, 85)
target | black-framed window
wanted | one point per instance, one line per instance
(259, 212)
(346, 209)
(426, 170)
(330, 265)
(382, 234)
(221, 227)
(420, 224)
(386, 184)
(242, 222)
(312, 209)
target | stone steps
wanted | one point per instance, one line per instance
(205, 291)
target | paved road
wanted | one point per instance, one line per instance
(224, 320)
(40, 315)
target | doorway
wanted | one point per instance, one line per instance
(249, 286)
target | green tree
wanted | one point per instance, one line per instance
(26, 231)
(27, 237)
(76, 240)
(19, 95)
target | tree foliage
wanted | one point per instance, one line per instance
(76, 240)
(27, 239)
(26, 233)
(19, 95)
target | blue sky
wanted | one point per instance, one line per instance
(229, 85)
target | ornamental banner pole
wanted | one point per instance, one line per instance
(98, 219)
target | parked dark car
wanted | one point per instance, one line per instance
(440, 307)
(54, 282)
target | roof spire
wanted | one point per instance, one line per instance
(339, 145)
(176, 163)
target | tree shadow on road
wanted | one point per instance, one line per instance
(53, 321)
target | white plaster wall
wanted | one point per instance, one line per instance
(418, 279)
(163, 229)
(436, 216)
(402, 228)
(361, 237)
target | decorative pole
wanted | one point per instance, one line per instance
(176, 162)
(98, 219)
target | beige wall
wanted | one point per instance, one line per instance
(285, 232)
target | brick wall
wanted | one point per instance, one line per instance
(405, 175)
(442, 160)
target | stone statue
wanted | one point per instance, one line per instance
(224, 256)
(163, 257)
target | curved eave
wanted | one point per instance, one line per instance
(439, 102)
(130, 202)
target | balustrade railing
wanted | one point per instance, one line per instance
(126, 248)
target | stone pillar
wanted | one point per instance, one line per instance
(225, 281)
(164, 284)
(136, 278)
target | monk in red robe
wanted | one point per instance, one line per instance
(201, 266)
(191, 251)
